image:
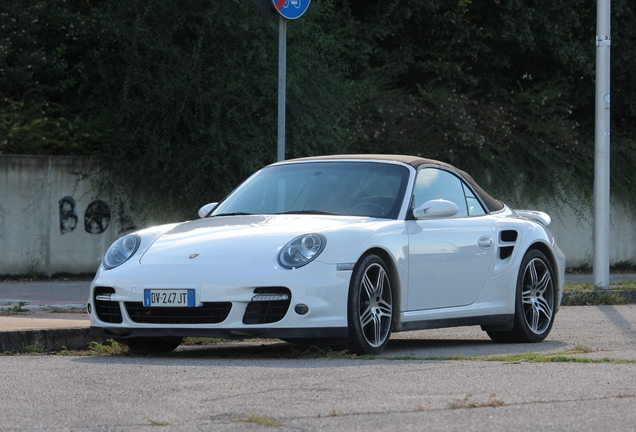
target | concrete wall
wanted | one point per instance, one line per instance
(52, 222)
(575, 234)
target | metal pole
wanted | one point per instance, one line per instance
(602, 146)
(282, 85)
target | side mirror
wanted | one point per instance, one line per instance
(438, 208)
(203, 211)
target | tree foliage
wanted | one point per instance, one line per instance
(177, 100)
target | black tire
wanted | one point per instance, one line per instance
(535, 301)
(152, 345)
(370, 306)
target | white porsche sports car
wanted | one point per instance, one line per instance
(340, 248)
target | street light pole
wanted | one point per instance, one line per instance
(282, 84)
(602, 146)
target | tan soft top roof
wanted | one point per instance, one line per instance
(415, 162)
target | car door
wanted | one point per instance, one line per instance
(449, 257)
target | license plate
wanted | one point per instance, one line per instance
(169, 297)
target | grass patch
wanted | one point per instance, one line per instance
(19, 307)
(34, 348)
(109, 347)
(467, 402)
(75, 310)
(261, 420)
(594, 298)
(157, 423)
(530, 357)
(625, 285)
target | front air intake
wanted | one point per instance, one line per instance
(268, 305)
(106, 310)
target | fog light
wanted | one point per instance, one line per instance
(270, 297)
(301, 309)
(88, 308)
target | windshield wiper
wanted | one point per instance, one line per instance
(232, 214)
(316, 212)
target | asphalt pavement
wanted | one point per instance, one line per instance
(53, 313)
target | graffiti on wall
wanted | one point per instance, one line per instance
(68, 217)
(96, 217)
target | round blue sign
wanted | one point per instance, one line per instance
(291, 9)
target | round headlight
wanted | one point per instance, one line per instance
(301, 250)
(121, 251)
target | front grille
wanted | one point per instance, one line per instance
(265, 312)
(106, 310)
(209, 313)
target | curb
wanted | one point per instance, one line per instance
(598, 297)
(80, 338)
(51, 339)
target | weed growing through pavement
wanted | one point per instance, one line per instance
(260, 420)
(530, 357)
(157, 423)
(109, 347)
(467, 402)
(19, 307)
(34, 348)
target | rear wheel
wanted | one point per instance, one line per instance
(370, 308)
(154, 345)
(534, 303)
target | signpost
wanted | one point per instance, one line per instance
(287, 9)
(601, 262)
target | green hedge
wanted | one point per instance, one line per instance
(176, 99)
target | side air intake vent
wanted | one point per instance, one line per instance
(507, 241)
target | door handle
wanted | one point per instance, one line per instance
(485, 242)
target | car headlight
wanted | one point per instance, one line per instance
(121, 251)
(301, 250)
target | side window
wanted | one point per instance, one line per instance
(474, 206)
(433, 183)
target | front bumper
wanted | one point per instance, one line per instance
(227, 302)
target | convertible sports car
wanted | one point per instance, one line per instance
(337, 248)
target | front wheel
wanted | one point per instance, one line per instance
(370, 307)
(535, 302)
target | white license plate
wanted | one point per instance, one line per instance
(169, 297)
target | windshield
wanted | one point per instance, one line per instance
(342, 188)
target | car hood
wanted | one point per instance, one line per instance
(237, 239)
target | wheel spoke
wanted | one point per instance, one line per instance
(385, 308)
(535, 318)
(543, 284)
(544, 307)
(379, 290)
(366, 317)
(377, 331)
(368, 286)
(526, 297)
(533, 273)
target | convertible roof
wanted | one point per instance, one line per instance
(416, 162)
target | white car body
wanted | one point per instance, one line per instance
(444, 270)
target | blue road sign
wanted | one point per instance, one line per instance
(291, 9)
